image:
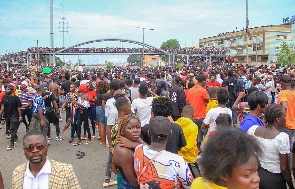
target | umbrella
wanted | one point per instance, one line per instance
(46, 70)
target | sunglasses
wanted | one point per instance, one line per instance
(31, 147)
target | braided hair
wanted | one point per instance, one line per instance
(123, 123)
(272, 112)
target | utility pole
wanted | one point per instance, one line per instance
(51, 33)
(247, 33)
(37, 54)
(63, 31)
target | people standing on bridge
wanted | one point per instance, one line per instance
(11, 106)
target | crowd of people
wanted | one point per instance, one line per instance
(21, 57)
(217, 126)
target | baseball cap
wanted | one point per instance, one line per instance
(39, 88)
(25, 83)
(44, 85)
(286, 79)
(160, 128)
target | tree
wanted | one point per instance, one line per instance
(286, 56)
(169, 45)
(59, 62)
(109, 64)
(134, 58)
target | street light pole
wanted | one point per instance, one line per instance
(142, 60)
(247, 24)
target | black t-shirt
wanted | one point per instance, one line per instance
(229, 82)
(11, 103)
(66, 86)
(48, 101)
(100, 97)
(174, 143)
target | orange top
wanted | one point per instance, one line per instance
(196, 97)
(289, 97)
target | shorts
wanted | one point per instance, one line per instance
(202, 132)
(100, 115)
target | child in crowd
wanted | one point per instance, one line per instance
(222, 98)
(213, 103)
(190, 131)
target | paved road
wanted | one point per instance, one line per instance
(89, 170)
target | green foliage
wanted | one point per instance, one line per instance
(59, 62)
(170, 44)
(179, 66)
(134, 58)
(286, 56)
(109, 64)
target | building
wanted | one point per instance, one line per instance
(263, 42)
(153, 60)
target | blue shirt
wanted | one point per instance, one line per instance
(249, 121)
(248, 84)
(38, 101)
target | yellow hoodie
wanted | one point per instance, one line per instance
(190, 131)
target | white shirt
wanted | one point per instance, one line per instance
(41, 181)
(272, 148)
(269, 89)
(213, 114)
(143, 109)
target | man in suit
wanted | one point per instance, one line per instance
(41, 172)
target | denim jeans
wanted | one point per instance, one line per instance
(99, 114)
(234, 112)
(83, 118)
(92, 116)
(12, 126)
(74, 125)
(28, 113)
(108, 167)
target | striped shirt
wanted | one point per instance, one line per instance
(25, 98)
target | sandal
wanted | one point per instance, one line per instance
(107, 184)
(88, 141)
(77, 143)
(71, 140)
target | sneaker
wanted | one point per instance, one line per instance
(10, 147)
(0, 127)
(7, 136)
(49, 140)
(57, 138)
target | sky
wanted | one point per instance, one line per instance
(23, 22)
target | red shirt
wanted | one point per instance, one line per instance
(213, 84)
(91, 95)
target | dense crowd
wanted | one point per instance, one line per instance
(21, 57)
(217, 126)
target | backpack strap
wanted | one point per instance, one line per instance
(151, 160)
